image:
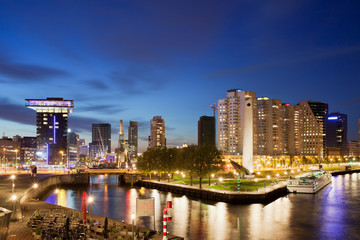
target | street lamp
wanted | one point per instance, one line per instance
(2, 162)
(90, 200)
(132, 220)
(13, 184)
(16, 151)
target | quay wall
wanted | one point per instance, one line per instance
(229, 197)
(53, 181)
(336, 173)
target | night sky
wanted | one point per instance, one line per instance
(133, 60)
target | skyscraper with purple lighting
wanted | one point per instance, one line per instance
(52, 128)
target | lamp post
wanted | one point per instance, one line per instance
(12, 183)
(13, 214)
(132, 221)
(62, 155)
(67, 148)
(3, 161)
(16, 151)
(90, 200)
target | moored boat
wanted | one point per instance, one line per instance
(310, 182)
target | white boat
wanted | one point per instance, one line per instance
(310, 182)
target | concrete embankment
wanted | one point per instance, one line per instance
(45, 185)
(264, 195)
(336, 173)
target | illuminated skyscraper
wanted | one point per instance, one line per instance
(52, 126)
(292, 129)
(336, 131)
(157, 132)
(232, 119)
(314, 127)
(270, 127)
(237, 125)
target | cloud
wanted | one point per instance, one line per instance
(27, 72)
(313, 55)
(101, 108)
(16, 113)
(97, 84)
(136, 80)
(354, 101)
(167, 128)
(81, 124)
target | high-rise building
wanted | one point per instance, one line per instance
(336, 132)
(320, 111)
(234, 119)
(157, 132)
(28, 149)
(10, 150)
(74, 147)
(206, 131)
(270, 126)
(133, 139)
(292, 129)
(313, 128)
(101, 138)
(52, 125)
(353, 149)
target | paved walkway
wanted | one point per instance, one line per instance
(19, 229)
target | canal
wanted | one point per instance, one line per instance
(332, 213)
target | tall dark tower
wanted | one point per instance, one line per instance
(336, 131)
(133, 139)
(206, 131)
(52, 128)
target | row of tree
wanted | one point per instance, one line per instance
(196, 161)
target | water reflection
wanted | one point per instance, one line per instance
(330, 214)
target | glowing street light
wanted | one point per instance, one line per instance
(90, 200)
(35, 185)
(56, 191)
(13, 183)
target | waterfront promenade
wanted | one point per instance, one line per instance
(23, 182)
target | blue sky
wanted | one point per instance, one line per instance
(133, 60)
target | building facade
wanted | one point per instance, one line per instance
(101, 139)
(206, 131)
(52, 127)
(336, 132)
(270, 127)
(353, 149)
(133, 139)
(74, 147)
(157, 132)
(314, 128)
(237, 112)
(292, 129)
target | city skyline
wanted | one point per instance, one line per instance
(133, 61)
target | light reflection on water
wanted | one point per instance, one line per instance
(330, 214)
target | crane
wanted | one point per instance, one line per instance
(122, 150)
(214, 107)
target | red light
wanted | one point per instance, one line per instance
(286, 104)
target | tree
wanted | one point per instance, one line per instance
(187, 157)
(208, 160)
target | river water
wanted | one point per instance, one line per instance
(332, 213)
